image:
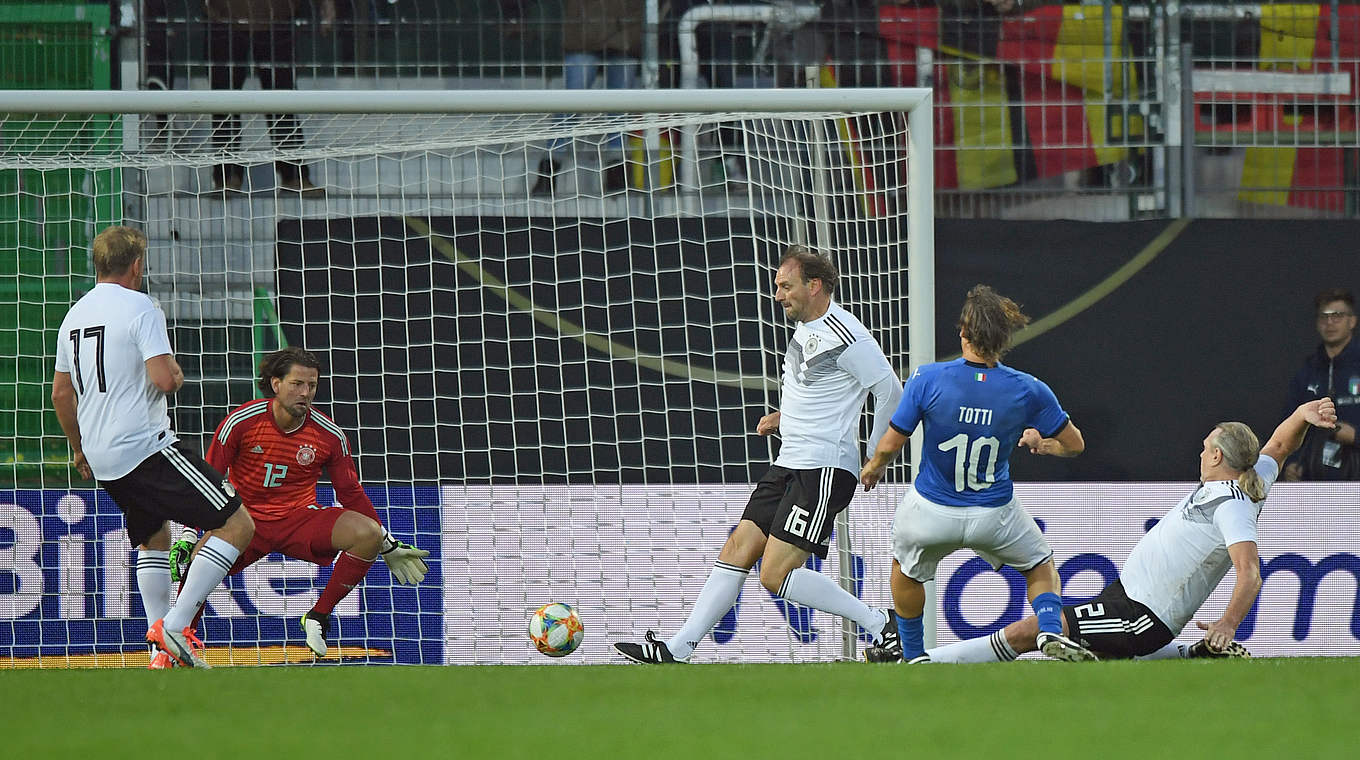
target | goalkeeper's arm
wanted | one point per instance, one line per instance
(406, 562)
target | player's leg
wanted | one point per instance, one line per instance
(172, 484)
(720, 591)
(802, 527)
(357, 538)
(743, 547)
(193, 495)
(909, 603)
(922, 534)
(1008, 535)
(783, 572)
(260, 545)
(1000, 646)
(1172, 651)
(153, 574)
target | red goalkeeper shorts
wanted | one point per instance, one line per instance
(303, 533)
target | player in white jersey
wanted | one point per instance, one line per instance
(1176, 565)
(114, 369)
(831, 367)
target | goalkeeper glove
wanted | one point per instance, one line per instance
(180, 553)
(404, 561)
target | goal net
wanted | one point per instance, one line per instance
(545, 321)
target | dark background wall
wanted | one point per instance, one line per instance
(1210, 330)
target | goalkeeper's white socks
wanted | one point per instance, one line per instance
(153, 583)
(993, 648)
(215, 557)
(812, 589)
(717, 596)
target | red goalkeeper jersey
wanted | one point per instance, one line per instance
(276, 472)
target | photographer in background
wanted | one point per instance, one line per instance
(1332, 370)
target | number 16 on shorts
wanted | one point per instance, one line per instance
(797, 521)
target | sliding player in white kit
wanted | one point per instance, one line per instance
(831, 367)
(114, 369)
(1178, 564)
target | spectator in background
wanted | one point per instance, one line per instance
(1333, 370)
(596, 35)
(261, 32)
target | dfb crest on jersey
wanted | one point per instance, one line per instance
(228, 488)
(811, 346)
(306, 455)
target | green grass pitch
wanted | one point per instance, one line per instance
(1268, 708)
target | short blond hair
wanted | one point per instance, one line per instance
(116, 248)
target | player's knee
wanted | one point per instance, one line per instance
(772, 578)
(238, 530)
(244, 522)
(368, 538)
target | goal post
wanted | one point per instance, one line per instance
(545, 322)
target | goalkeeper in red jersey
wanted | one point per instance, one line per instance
(273, 450)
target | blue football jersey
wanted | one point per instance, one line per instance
(973, 416)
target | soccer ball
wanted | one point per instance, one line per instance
(556, 630)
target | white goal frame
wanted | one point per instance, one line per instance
(915, 103)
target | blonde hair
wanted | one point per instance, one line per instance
(1241, 449)
(115, 249)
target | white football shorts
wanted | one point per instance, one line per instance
(923, 533)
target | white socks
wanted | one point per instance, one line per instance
(993, 648)
(812, 589)
(153, 582)
(1172, 651)
(718, 595)
(215, 557)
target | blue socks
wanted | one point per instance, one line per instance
(1048, 606)
(912, 634)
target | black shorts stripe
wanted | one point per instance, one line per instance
(817, 494)
(212, 493)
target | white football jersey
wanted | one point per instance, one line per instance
(831, 363)
(1175, 567)
(104, 343)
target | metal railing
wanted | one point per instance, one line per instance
(1104, 110)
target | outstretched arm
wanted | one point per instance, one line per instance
(892, 442)
(1288, 435)
(406, 562)
(1247, 566)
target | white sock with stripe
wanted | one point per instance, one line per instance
(812, 589)
(153, 583)
(717, 596)
(1172, 651)
(215, 557)
(993, 648)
